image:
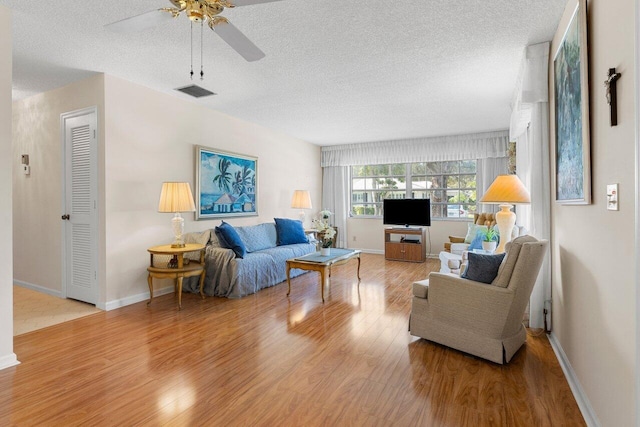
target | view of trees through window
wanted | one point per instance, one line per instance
(451, 186)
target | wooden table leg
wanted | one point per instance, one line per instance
(179, 292)
(358, 273)
(288, 278)
(322, 283)
(202, 284)
(150, 281)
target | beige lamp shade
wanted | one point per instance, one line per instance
(176, 197)
(506, 189)
(301, 200)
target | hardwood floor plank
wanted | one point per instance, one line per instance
(271, 360)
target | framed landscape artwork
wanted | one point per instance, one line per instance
(573, 148)
(226, 184)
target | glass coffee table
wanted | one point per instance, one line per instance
(323, 264)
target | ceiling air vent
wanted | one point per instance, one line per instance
(195, 91)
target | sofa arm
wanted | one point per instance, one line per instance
(469, 305)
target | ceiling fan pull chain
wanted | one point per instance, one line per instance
(191, 73)
(201, 44)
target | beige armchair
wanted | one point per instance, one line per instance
(481, 319)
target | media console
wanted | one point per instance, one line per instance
(405, 244)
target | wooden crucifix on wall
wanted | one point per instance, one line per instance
(612, 100)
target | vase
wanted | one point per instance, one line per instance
(489, 246)
(325, 251)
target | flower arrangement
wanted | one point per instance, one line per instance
(326, 233)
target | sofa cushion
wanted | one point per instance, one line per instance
(196, 237)
(290, 231)
(508, 264)
(258, 237)
(229, 238)
(482, 268)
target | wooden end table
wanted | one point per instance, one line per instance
(323, 266)
(176, 268)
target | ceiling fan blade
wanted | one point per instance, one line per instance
(143, 21)
(234, 38)
(238, 3)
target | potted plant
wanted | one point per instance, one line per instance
(489, 240)
(326, 233)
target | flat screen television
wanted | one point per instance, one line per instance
(407, 212)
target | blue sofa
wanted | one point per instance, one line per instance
(264, 264)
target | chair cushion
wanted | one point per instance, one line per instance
(421, 288)
(472, 231)
(476, 243)
(509, 262)
(290, 231)
(482, 268)
(229, 238)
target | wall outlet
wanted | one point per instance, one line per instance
(354, 238)
(612, 197)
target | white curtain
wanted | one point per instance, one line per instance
(486, 172)
(433, 149)
(530, 129)
(335, 197)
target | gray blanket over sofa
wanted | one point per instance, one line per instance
(263, 266)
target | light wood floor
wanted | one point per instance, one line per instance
(271, 360)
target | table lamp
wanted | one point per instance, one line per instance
(506, 190)
(176, 197)
(301, 200)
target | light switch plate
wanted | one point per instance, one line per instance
(612, 197)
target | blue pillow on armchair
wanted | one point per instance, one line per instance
(290, 231)
(230, 239)
(476, 243)
(482, 268)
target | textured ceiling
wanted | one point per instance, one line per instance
(334, 72)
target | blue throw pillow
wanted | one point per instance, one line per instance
(482, 268)
(230, 239)
(477, 242)
(290, 231)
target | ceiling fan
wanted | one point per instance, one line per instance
(198, 11)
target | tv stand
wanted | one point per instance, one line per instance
(405, 244)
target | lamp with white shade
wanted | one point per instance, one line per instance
(506, 190)
(301, 200)
(176, 197)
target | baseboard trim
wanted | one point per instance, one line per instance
(133, 299)
(8, 361)
(576, 388)
(38, 288)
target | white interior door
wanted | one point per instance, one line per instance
(80, 201)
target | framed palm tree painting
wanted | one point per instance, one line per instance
(226, 184)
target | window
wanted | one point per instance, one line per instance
(451, 186)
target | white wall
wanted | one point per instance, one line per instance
(145, 138)
(37, 198)
(368, 234)
(593, 254)
(150, 138)
(7, 357)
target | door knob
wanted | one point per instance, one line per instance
(65, 217)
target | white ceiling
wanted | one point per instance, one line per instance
(335, 71)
